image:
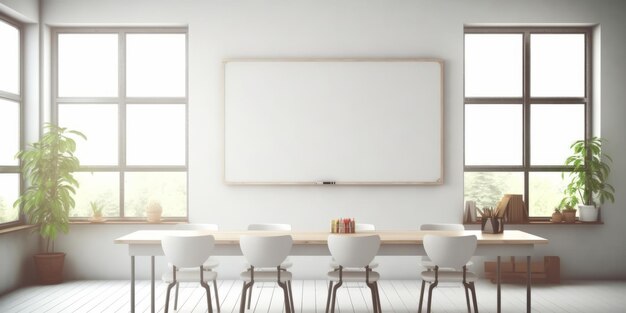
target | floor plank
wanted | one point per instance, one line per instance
(310, 297)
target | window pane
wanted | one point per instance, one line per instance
(557, 65)
(155, 134)
(87, 65)
(553, 129)
(493, 134)
(545, 192)
(99, 123)
(9, 58)
(9, 131)
(169, 188)
(156, 65)
(493, 65)
(101, 187)
(9, 192)
(487, 188)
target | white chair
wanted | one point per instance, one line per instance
(450, 256)
(359, 228)
(286, 264)
(425, 260)
(189, 251)
(189, 274)
(263, 251)
(353, 252)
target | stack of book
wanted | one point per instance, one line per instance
(514, 208)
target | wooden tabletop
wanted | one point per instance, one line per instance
(311, 238)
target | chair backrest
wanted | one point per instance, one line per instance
(450, 251)
(277, 227)
(442, 226)
(196, 226)
(187, 250)
(364, 227)
(353, 251)
(265, 251)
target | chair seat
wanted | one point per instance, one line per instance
(208, 265)
(266, 276)
(353, 276)
(334, 265)
(428, 264)
(189, 275)
(287, 264)
(449, 276)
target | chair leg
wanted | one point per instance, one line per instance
(291, 296)
(208, 290)
(217, 297)
(419, 308)
(377, 297)
(167, 297)
(334, 297)
(250, 296)
(466, 287)
(176, 297)
(373, 291)
(430, 295)
(330, 290)
(242, 305)
(286, 297)
(473, 289)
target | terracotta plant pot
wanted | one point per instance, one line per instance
(569, 216)
(49, 267)
(557, 217)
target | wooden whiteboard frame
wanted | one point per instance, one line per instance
(437, 181)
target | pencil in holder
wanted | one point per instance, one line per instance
(492, 225)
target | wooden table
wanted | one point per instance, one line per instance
(399, 243)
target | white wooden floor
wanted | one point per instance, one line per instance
(310, 296)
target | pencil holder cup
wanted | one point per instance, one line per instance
(492, 225)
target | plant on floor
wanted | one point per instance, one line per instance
(48, 167)
(588, 177)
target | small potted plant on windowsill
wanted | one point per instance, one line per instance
(588, 187)
(96, 210)
(557, 217)
(48, 166)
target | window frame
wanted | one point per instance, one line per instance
(19, 98)
(122, 100)
(526, 100)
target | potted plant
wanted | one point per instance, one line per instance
(96, 210)
(48, 167)
(588, 187)
(557, 217)
(569, 214)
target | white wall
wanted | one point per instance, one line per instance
(22, 10)
(350, 28)
(17, 248)
(16, 259)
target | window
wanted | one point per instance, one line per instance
(10, 119)
(126, 90)
(527, 99)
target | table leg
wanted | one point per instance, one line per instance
(498, 284)
(528, 282)
(132, 284)
(152, 285)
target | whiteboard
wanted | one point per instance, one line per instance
(335, 121)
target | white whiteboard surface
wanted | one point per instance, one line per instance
(340, 121)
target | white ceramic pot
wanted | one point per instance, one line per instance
(588, 213)
(153, 211)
